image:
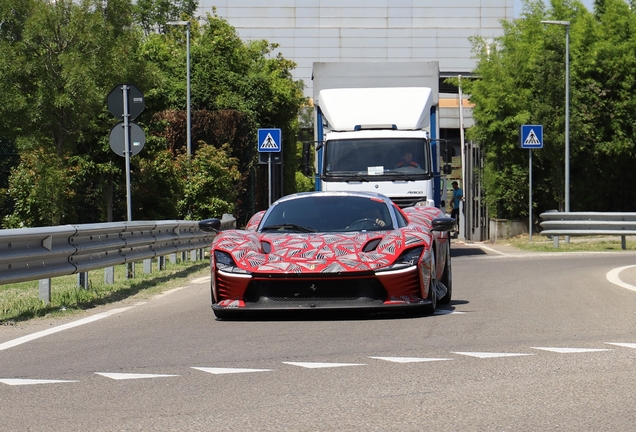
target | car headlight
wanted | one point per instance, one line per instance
(225, 263)
(410, 257)
(223, 259)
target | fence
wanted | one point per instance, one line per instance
(28, 254)
(557, 224)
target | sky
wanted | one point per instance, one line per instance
(518, 5)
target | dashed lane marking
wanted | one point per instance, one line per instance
(19, 382)
(571, 350)
(409, 359)
(220, 371)
(484, 355)
(128, 376)
(315, 365)
(626, 345)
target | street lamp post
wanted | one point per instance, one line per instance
(189, 125)
(566, 24)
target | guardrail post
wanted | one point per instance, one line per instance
(193, 255)
(82, 280)
(45, 290)
(555, 241)
(109, 275)
(173, 258)
(161, 263)
(184, 256)
(130, 270)
(148, 266)
(623, 242)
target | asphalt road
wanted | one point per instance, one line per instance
(530, 342)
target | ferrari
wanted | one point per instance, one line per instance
(332, 250)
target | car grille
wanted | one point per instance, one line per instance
(313, 292)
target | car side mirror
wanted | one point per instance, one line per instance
(210, 225)
(444, 224)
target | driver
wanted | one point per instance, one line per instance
(374, 218)
(407, 161)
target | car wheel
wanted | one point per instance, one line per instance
(429, 309)
(447, 280)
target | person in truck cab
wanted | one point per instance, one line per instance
(407, 161)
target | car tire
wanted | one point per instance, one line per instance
(447, 280)
(429, 309)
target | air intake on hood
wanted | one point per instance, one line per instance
(371, 245)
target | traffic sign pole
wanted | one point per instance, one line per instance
(530, 137)
(127, 151)
(269, 179)
(530, 217)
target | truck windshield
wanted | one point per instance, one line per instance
(393, 158)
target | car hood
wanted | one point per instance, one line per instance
(318, 253)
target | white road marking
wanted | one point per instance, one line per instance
(18, 382)
(409, 359)
(613, 277)
(37, 335)
(220, 371)
(127, 376)
(316, 365)
(484, 355)
(200, 280)
(571, 350)
(626, 345)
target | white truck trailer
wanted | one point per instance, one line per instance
(376, 130)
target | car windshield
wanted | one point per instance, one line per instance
(328, 214)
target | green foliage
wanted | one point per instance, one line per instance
(522, 81)
(60, 60)
(304, 183)
(38, 187)
(208, 181)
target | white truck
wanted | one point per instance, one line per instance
(377, 138)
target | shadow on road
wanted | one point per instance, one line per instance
(466, 250)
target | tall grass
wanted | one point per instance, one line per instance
(19, 302)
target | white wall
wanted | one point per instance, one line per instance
(311, 31)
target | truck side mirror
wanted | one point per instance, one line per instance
(447, 153)
(307, 169)
(447, 169)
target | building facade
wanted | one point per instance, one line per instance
(309, 31)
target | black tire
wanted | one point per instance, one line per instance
(447, 279)
(429, 309)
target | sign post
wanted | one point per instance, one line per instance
(125, 100)
(269, 141)
(531, 137)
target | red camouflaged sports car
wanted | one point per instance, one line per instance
(332, 250)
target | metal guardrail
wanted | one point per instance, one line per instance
(28, 254)
(557, 224)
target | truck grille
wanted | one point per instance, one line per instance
(407, 201)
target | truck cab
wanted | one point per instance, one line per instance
(377, 139)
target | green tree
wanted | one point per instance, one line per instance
(522, 81)
(208, 182)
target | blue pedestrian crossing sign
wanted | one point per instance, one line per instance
(531, 137)
(269, 140)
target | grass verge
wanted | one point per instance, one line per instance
(541, 243)
(20, 302)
